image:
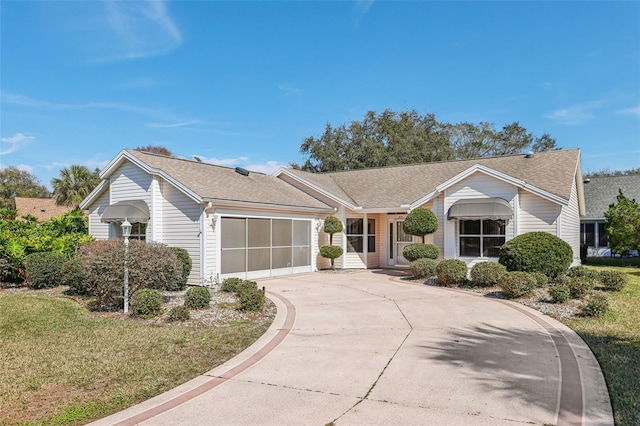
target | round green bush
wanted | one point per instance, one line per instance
(420, 222)
(185, 261)
(251, 299)
(178, 313)
(612, 280)
(517, 284)
(246, 285)
(451, 272)
(331, 252)
(420, 251)
(487, 274)
(72, 276)
(580, 286)
(154, 265)
(596, 306)
(332, 225)
(541, 279)
(146, 303)
(230, 285)
(536, 252)
(44, 270)
(197, 298)
(423, 268)
(559, 293)
(579, 271)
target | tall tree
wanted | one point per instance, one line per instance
(155, 149)
(73, 185)
(19, 183)
(391, 138)
(622, 223)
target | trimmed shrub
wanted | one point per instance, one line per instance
(414, 252)
(331, 252)
(487, 274)
(596, 306)
(154, 265)
(423, 268)
(537, 252)
(332, 225)
(73, 277)
(185, 260)
(561, 280)
(146, 303)
(420, 222)
(579, 287)
(44, 270)
(612, 280)
(579, 271)
(451, 272)
(559, 293)
(229, 285)
(251, 298)
(517, 284)
(178, 313)
(246, 285)
(7, 271)
(197, 298)
(541, 279)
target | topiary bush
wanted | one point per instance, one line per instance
(596, 306)
(536, 252)
(559, 293)
(251, 298)
(197, 298)
(146, 303)
(229, 285)
(73, 277)
(487, 274)
(517, 284)
(414, 252)
(424, 268)
(541, 279)
(332, 253)
(612, 280)
(185, 260)
(451, 272)
(179, 313)
(420, 222)
(44, 270)
(580, 286)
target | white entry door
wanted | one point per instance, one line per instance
(398, 240)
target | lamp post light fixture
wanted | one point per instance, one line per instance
(126, 232)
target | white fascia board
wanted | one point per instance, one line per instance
(94, 194)
(125, 155)
(373, 210)
(271, 207)
(423, 200)
(582, 210)
(318, 189)
(505, 178)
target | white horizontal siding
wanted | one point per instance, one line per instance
(130, 182)
(537, 214)
(569, 229)
(181, 227)
(97, 229)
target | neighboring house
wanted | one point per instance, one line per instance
(251, 225)
(599, 194)
(42, 208)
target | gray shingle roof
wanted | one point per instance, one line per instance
(601, 192)
(211, 182)
(391, 187)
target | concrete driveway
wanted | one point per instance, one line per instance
(368, 348)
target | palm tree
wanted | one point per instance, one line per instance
(73, 185)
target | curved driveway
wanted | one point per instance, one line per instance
(368, 348)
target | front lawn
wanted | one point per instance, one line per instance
(61, 364)
(615, 341)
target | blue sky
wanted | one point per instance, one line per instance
(243, 83)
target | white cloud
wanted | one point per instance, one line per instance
(13, 143)
(23, 167)
(227, 162)
(630, 111)
(172, 125)
(144, 28)
(289, 90)
(361, 9)
(267, 168)
(575, 114)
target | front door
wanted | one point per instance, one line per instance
(398, 240)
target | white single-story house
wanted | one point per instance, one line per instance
(599, 193)
(239, 223)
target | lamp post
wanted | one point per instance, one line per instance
(126, 232)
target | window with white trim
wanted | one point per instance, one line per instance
(355, 235)
(481, 238)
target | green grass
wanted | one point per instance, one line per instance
(61, 365)
(615, 341)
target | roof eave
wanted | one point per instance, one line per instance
(317, 189)
(217, 202)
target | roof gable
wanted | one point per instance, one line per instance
(601, 192)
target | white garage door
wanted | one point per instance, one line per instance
(258, 248)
